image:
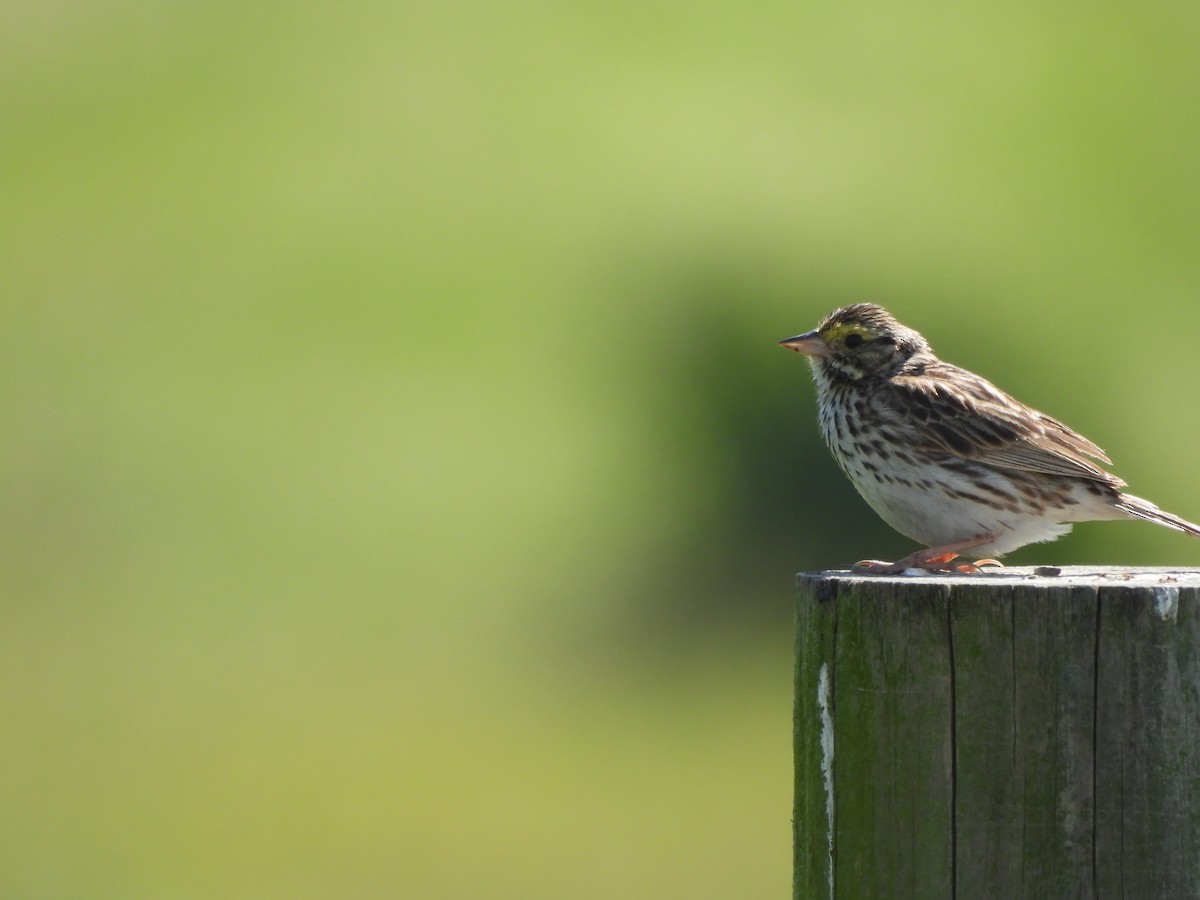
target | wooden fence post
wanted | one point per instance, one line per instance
(1003, 735)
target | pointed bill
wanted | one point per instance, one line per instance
(809, 343)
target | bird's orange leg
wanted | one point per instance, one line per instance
(933, 559)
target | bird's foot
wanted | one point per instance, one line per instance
(939, 560)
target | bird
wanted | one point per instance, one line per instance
(945, 457)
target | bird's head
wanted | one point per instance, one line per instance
(857, 342)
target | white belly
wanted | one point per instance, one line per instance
(937, 507)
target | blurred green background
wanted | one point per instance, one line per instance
(402, 485)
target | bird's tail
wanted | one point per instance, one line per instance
(1144, 509)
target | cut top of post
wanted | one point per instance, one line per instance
(1049, 577)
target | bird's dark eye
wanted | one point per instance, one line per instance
(853, 340)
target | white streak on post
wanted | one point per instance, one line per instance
(1166, 602)
(827, 761)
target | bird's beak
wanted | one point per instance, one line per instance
(809, 343)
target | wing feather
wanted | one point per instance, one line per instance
(962, 414)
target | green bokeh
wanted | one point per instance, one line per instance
(402, 483)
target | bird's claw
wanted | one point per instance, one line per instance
(978, 565)
(940, 564)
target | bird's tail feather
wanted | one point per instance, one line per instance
(1144, 509)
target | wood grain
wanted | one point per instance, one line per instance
(1006, 735)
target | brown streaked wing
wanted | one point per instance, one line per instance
(961, 413)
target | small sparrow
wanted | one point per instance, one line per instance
(945, 457)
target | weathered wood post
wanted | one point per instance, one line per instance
(998, 736)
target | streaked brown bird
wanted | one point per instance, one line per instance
(945, 457)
